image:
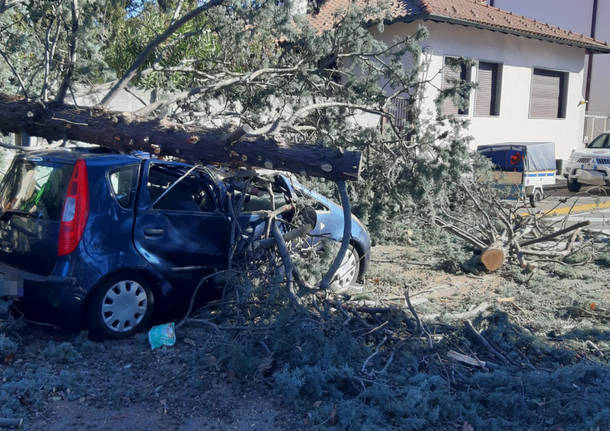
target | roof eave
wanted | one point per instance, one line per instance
(591, 49)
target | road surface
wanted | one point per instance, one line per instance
(591, 203)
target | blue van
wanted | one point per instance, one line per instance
(108, 240)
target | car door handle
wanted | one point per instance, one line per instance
(154, 232)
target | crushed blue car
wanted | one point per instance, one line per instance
(109, 241)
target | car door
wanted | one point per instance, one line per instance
(180, 227)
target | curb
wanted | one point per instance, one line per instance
(577, 209)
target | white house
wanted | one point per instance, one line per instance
(589, 17)
(530, 74)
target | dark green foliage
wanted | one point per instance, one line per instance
(319, 361)
(520, 345)
(7, 346)
(455, 255)
(24, 386)
(566, 271)
(25, 29)
(61, 352)
(603, 258)
(318, 365)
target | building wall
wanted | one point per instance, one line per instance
(575, 16)
(519, 56)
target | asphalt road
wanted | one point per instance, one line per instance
(591, 203)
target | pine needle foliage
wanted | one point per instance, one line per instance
(263, 67)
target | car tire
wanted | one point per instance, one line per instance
(119, 307)
(574, 186)
(536, 197)
(348, 271)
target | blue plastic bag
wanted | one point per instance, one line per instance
(162, 335)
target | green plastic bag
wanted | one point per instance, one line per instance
(162, 335)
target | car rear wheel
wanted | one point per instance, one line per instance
(348, 271)
(574, 186)
(119, 307)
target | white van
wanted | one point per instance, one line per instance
(591, 165)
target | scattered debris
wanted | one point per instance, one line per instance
(11, 423)
(458, 357)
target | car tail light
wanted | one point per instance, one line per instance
(75, 212)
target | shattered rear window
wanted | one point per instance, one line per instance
(35, 188)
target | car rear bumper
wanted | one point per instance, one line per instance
(598, 175)
(50, 299)
(586, 176)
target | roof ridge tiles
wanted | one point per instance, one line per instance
(423, 4)
(468, 13)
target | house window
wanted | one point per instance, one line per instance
(454, 71)
(549, 91)
(402, 110)
(487, 100)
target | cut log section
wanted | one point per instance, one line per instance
(492, 259)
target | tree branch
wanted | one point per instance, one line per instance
(328, 105)
(555, 234)
(347, 236)
(14, 71)
(283, 251)
(49, 51)
(216, 85)
(133, 69)
(177, 11)
(63, 89)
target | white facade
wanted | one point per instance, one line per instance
(518, 57)
(575, 16)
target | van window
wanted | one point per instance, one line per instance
(191, 193)
(601, 141)
(123, 183)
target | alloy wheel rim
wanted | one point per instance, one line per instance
(124, 306)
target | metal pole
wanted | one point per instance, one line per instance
(590, 63)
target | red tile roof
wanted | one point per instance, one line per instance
(472, 13)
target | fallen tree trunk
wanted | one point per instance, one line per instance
(126, 132)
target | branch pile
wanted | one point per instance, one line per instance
(501, 232)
